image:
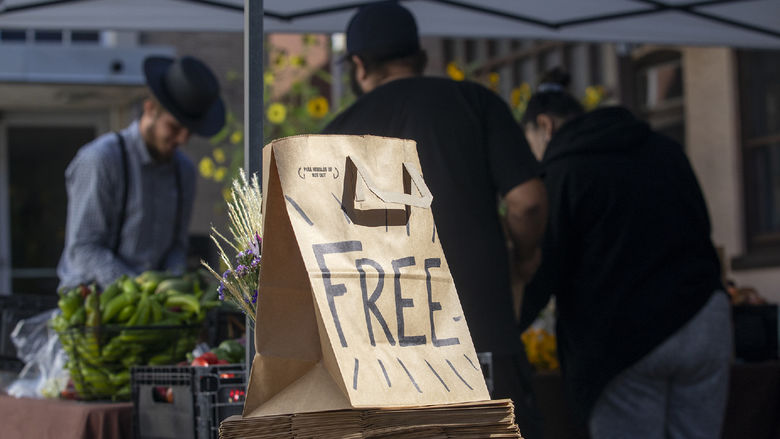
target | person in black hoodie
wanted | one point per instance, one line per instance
(643, 327)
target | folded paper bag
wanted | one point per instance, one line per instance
(357, 307)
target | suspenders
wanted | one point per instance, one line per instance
(123, 209)
(125, 186)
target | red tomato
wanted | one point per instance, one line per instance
(199, 362)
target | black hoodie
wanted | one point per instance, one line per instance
(627, 252)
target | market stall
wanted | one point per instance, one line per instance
(734, 25)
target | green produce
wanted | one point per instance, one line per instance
(174, 284)
(70, 303)
(231, 351)
(185, 301)
(92, 305)
(129, 286)
(78, 318)
(112, 291)
(150, 319)
(126, 313)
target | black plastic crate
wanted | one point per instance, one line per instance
(185, 401)
(13, 308)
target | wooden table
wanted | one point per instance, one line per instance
(25, 418)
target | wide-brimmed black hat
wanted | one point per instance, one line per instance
(188, 90)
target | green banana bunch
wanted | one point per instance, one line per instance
(105, 333)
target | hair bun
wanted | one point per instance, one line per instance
(556, 75)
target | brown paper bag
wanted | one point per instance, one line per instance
(356, 304)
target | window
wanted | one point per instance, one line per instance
(32, 196)
(46, 36)
(90, 37)
(659, 92)
(759, 81)
(62, 37)
(13, 36)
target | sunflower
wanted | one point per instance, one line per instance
(594, 94)
(310, 40)
(206, 167)
(236, 137)
(297, 61)
(454, 72)
(268, 78)
(520, 95)
(280, 60)
(219, 155)
(276, 113)
(220, 173)
(317, 107)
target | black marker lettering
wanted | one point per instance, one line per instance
(435, 306)
(331, 291)
(369, 303)
(401, 303)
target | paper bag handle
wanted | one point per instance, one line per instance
(423, 201)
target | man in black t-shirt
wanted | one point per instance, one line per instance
(471, 151)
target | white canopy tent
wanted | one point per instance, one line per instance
(741, 23)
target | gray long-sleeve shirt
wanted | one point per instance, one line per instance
(95, 183)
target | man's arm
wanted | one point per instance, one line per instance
(526, 219)
(89, 220)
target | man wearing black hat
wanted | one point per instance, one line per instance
(471, 151)
(130, 193)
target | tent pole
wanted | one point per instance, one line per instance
(253, 117)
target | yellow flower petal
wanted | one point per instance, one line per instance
(206, 167)
(276, 113)
(493, 78)
(309, 40)
(317, 107)
(454, 72)
(280, 61)
(514, 96)
(220, 173)
(268, 78)
(297, 61)
(219, 155)
(237, 137)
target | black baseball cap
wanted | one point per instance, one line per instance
(384, 29)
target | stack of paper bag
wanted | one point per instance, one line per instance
(359, 329)
(486, 419)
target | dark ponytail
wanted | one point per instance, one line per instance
(552, 98)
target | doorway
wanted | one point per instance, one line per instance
(35, 150)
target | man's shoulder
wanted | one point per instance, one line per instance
(103, 149)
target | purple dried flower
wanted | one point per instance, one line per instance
(254, 297)
(221, 291)
(256, 244)
(226, 274)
